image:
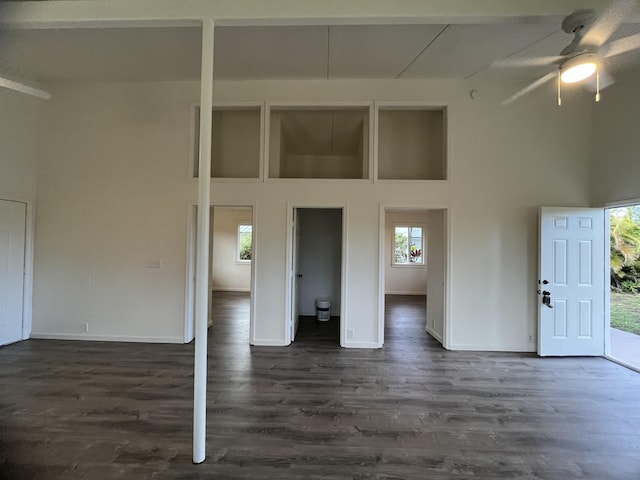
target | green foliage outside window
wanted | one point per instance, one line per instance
(401, 243)
(407, 247)
(245, 235)
(625, 249)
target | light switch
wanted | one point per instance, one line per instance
(155, 263)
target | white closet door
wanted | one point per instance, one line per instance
(12, 240)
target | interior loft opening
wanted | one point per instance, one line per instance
(319, 143)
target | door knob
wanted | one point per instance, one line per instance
(546, 298)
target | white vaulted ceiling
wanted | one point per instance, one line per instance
(101, 53)
(441, 51)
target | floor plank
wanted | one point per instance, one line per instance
(94, 410)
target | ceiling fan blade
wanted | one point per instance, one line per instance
(607, 23)
(22, 88)
(624, 45)
(529, 88)
(606, 79)
(526, 62)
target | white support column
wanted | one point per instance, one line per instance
(202, 247)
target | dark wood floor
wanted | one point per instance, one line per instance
(71, 410)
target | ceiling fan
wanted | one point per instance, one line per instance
(22, 87)
(587, 53)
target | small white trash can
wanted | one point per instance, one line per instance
(323, 309)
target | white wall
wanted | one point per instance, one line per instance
(114, 188)
(113, 192)
(226, 272)
(401, 279)
(18, 145)
(616, 143)
(320, 258)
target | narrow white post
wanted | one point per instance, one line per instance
(202, 247)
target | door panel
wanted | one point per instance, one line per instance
(12, 249)
(571, 282)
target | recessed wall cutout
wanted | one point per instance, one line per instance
(319, 143)
(235, 142)
(412, 143)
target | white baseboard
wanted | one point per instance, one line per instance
(492, 348)
(405, 292)
(269, 342)
(105, 338)
(231, 289)
(352, 344)
(434, 334)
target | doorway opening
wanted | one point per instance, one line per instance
(414, 270)
(624, 304)
(231, 269)
(13, 250)
(316, 272)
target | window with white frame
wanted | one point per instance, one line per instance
(245, 237)
(408, 245)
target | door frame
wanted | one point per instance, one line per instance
(289, 267)
(607, 284)
(446, 324)
(607, 268)
(29, 246)
(189, 308)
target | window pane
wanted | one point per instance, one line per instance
(415, 245)
(415, 255)
(401, 245)
(244, 242)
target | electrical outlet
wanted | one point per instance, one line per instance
(85, 327)
(350, 334)
(531, 338)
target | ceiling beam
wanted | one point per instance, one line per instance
(99, 13)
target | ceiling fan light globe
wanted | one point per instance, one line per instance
(578, 72)
(579, 67)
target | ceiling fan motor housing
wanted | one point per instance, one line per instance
(577, 23)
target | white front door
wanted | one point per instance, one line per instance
(571, 282)
(12, 237)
